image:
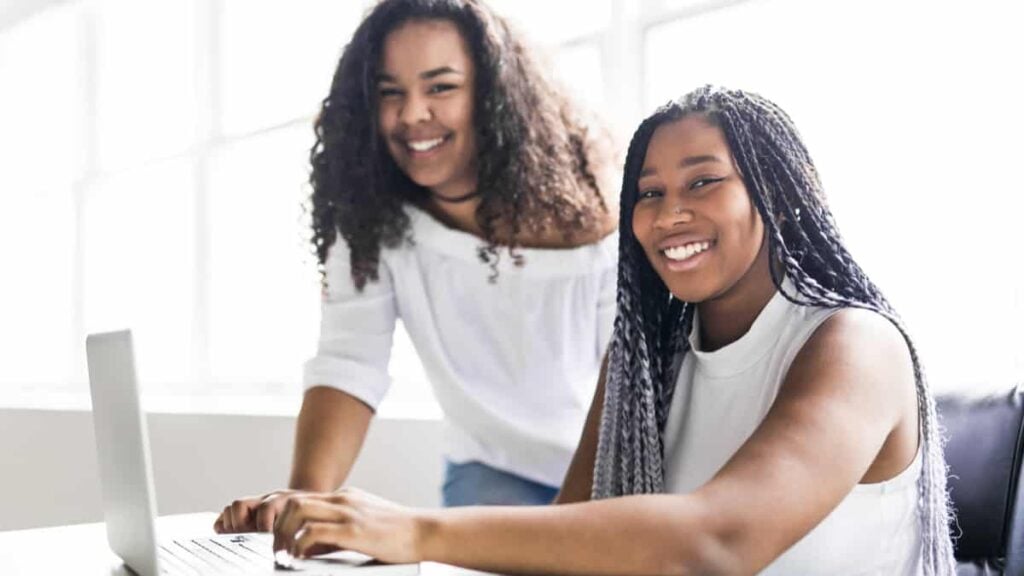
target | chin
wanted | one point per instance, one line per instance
(690, 296)
(693, 292)
(426, 179)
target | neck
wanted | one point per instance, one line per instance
(726, 318)
(457, 215)
(454, 199)
(455, 205)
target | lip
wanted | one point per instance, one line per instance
(682, 240)
(685, 265)
(403, 142)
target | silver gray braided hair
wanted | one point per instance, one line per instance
(649, 338)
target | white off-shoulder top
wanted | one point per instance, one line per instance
(513, 363)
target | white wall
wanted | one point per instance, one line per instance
(48, 474)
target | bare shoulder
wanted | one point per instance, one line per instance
(861, 333)
(862, 350)
(849, 388)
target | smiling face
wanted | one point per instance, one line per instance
(425, 102)
(693, 216)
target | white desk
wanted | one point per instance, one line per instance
(82, 550)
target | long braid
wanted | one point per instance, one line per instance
(630, 440)
(651, 328)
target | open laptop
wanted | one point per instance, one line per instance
(129, 503)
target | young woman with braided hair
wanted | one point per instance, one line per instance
(762, 409)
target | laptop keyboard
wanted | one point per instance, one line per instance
(230, 554)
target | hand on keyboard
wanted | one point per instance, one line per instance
(254, 513)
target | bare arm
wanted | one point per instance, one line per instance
(328, 436)
(844, 395)
(579, 480)
(329, 433)
(848, 394)
(356, 328)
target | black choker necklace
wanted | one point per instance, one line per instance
(457, 199)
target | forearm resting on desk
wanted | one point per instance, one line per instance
(328, 436)
(652, 534)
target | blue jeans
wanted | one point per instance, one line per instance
(472, 483)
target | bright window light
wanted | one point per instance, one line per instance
(277, 58)
(41, 114)
(264, 286)
(37, 237)
(914, 133)
(156, 157)
(41, 144)
(139, 250)
(146, 80)
(553, 23)
(579, 68)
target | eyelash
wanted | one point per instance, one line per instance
(708, 181)
(704, 182)
(434, 89)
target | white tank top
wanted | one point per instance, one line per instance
(721, 397)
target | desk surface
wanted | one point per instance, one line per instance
(82, 549)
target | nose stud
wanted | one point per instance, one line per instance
(682, 215)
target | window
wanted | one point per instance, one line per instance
(146, 81)
(139, 235)
(913, 132)
(41, 143)
(264, 45)
(154, 175)
(263, 284)
(579, 68)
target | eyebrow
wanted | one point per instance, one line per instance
(432, 73)
(685, 163)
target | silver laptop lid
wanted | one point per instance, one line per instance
(122, 449)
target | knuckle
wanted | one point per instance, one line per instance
(263, 516)
(292, 504)
(350, 532)
(318, 531)
(304, 506)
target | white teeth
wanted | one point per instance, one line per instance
(684, 252)
(424, 145)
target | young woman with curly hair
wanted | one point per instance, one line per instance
(454, 187)
(763, 409)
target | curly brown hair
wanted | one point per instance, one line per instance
(537, 157)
